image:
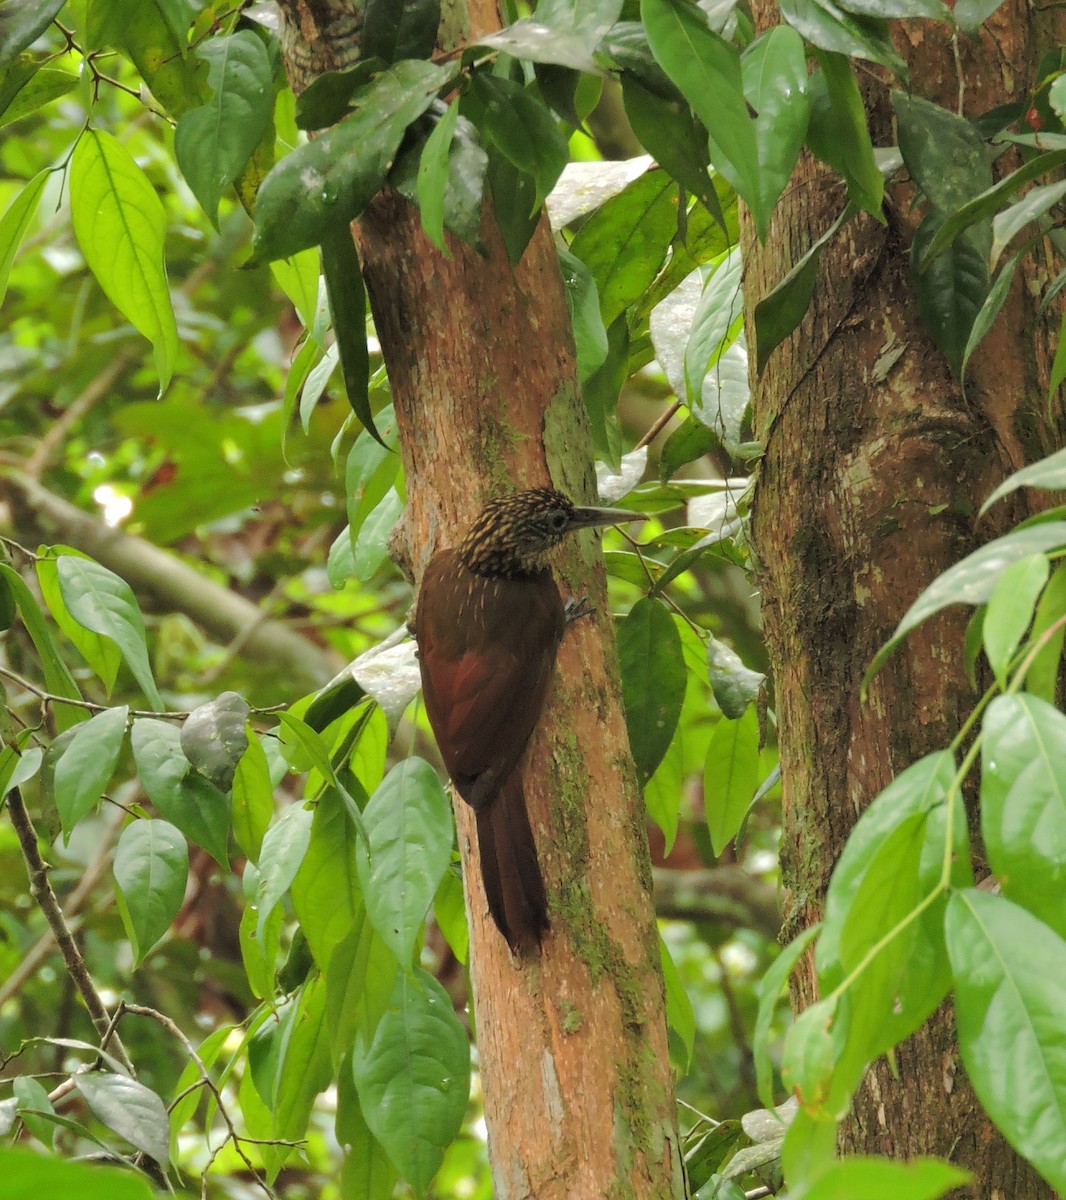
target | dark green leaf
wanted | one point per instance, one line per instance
(22, 22)
(87, 764)
(327, 183)
(414, 1077)
(943, 152)
(213, 738)
(590, 337)
(433, 176)
(513, 203)
(409, 832)
(932, 10)
(989, 309)
(560, 32)
(325, 99)
(523, 131)
(396, 29)
(347, 307)
(972, 580)
(303, 1066)
(1010, 977)
(689, 441)
(133, 1111)
(213, 143)
(730, 776)
(653, 681)
(32, 1102)
(984, 206)
(253, 800)
(601, 391)
(1023, 803)
(709, 1154)
(151, 869)
(625, 46)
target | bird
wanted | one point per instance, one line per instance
(488, 621)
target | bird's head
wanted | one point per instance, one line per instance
(512, 534)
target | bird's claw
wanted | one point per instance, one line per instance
(577, 608)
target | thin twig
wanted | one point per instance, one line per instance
(41, 890)
(140, 1010)
(658, 426)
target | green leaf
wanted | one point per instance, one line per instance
(625, 241)
(989, 310)
(102, 602)
(45, 86)
(397, 29)
(151, 869)
(590, 336)
(347, 307)
(1010, 977)
(689, 441)
(735, 686)
(120, 225)
(716, 323)
(1010, 610)
(667, 130)
(16, 220)
(284, 848)
(780, 311)
(774, 73)
(838, 134)
(1032, 206)
(951, 291)
(1048, 474)
(985, 205)
(303, 1065)
(22, 23)
(325, 891)
(653, 682)
(414, 1077)
(100, 653)
(1023, 803)
(128, 1108)
(299, 734)
(30, 1176)
(772, 984)
(679, 1014)
(324, 185)
(879, 1179)
(561, 32)
(944, 153)
(829, 27)
(184, 797)
(809, 1056)
(409, 835)
(1042, 677)
(433, 176)
(32, 1102)
(88, 762)
(253, 800)
(523, 131)
(362, 973)
(707, 70)
(58, 678)
(326, 98)
(155, 36)
(213, 738)
(730, 776)
(372, 545)
(212, 143)
(973, 580)
(298, 277)
(366, 1173)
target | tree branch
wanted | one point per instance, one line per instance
(171, 583)
(41, 890)
(726, 894)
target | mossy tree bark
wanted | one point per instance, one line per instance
(573, 1045)
(875, 464)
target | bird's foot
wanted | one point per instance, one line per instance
(577, 608)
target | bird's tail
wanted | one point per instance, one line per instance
(510, 870)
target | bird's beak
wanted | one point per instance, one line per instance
(589, 518)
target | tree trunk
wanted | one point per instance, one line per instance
(572, 1045)
(874, 467)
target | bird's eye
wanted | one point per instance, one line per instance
(559, 520)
